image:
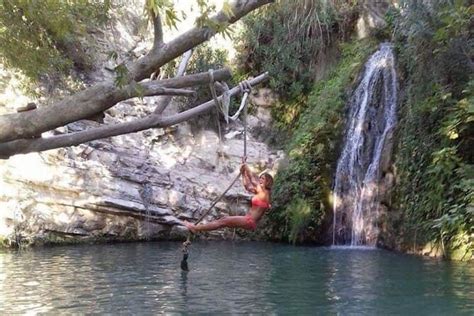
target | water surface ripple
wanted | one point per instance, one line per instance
(231, 278)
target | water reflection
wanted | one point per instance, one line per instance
(230, 278)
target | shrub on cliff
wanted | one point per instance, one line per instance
(288, 40)
(301, 195)
(434, 159)
(44, 37)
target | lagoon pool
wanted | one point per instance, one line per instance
(231, 278)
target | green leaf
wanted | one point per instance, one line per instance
(121, 72)
(227, 9)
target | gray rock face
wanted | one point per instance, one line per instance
(129, 187)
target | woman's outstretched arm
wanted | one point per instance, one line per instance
(249, 179)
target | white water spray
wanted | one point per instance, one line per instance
(371, 123)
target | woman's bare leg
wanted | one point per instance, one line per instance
(228, 221)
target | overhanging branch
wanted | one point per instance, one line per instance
(153, 121)
(163, 102)
(89, 102)
(104, 95)
(146, 65)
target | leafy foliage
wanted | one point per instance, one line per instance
(163, 8)
(204, 19)
(43, 37)
(302, 190)
(286, 38)
(434, 154)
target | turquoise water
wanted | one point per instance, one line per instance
(231, 278)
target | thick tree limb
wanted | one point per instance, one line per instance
(88, 102)
(104, 95)
(146, 65)
(154, 120)
(147, 90)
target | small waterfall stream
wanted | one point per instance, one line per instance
(372, 119)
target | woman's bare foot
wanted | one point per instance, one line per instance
(190, 226)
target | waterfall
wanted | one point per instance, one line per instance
(372, 118)
(146, 194)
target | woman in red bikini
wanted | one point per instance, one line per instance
(260, 186)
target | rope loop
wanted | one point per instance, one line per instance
(211, 75)
(186, 245)
(245, 86)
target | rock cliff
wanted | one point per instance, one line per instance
(131, 187)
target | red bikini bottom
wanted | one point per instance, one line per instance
(251, 224)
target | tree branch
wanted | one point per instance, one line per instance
(89, 102)
(155, 120)
(158, 32)
(146, 65)
(147, 90)
(104, 95)
(163, 102)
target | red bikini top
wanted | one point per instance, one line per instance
(259, 203)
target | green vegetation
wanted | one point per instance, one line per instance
(289, 39)
(44, 37)
(286, 38)
(434, 158)
(301, 195)
(434, 195)
(433, 202)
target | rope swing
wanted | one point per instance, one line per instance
(223, 107)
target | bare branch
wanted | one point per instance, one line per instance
(158, 32)
(163, 102)
(184, 63)
(147, 90)
(155, 120)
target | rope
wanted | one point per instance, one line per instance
(217, 200)
(225, 101)
(216, 101)
(246, 88)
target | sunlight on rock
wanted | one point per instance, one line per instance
(108, 186)
(32, 167)
(175, 198)
(371, 18)
(11, 95)
(8, 214)
(167, 158)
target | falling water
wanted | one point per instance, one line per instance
(146, 194)
(371, 122)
